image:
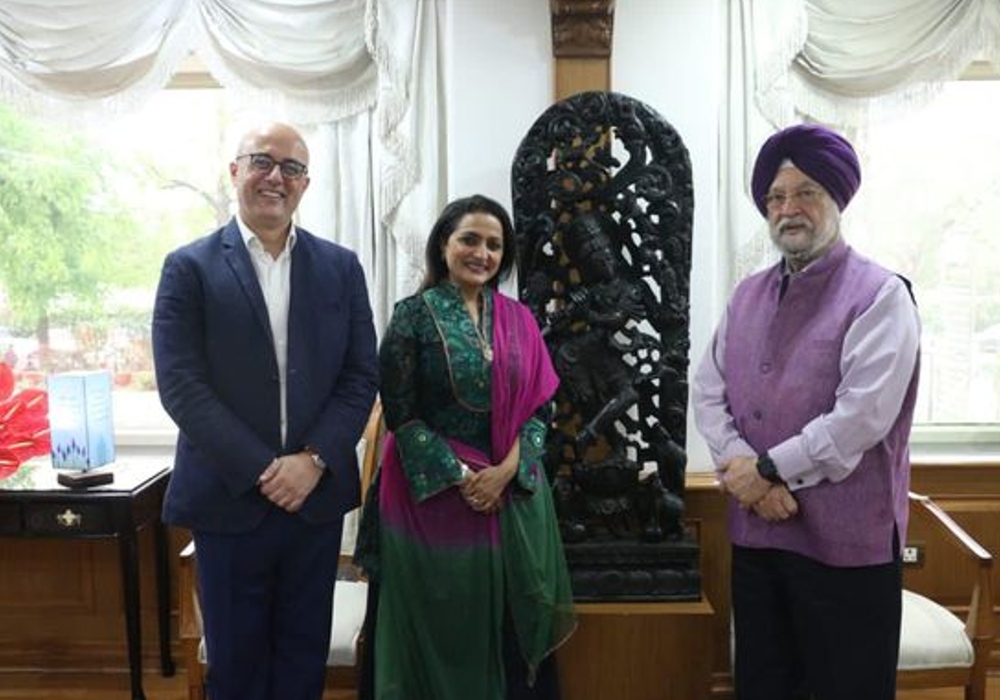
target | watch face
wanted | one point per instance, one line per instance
(767, 469)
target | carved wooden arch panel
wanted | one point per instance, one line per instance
(603, 209)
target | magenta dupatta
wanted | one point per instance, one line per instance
(522, 379)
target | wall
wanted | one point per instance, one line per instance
(666, 54)
(498, 72)
(499, 76)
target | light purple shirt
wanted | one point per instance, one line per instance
(876, 364)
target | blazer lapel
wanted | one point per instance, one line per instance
(238, 259)
(303, 289)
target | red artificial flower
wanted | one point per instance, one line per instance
(24, 423)
(6, 381)
(8, 463)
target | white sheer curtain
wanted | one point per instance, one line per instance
(864, 60)
(65, 54)
(411, 147)
(763, 39)
(311, 54)
(839, 62)
(81, 56)
(362, 73)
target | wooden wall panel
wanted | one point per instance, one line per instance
(705, 507)
(61, 603)
(639, 651)
(575, 75)
(30, 586)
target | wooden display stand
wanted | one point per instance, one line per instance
(639, 651)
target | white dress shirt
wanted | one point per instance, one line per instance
(275, 277)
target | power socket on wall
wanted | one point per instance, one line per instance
(913, 554)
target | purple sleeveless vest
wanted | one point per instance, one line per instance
(782, 369)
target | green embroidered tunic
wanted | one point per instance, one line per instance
(448, 574)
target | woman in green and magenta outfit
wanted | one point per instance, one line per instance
(462, 538)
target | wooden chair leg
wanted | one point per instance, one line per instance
(195, 675)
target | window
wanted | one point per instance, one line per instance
(87, 213)
(929, 208)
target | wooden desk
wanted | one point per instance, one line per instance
(34, 504)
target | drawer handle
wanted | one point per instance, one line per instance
(69, 519)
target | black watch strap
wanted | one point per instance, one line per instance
(767, 469)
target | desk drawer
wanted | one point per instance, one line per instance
(10, 518)
(63, 519)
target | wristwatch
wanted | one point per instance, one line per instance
(317, 460)
(767, 469)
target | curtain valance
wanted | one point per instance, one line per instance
(75, 54)
(844, 62)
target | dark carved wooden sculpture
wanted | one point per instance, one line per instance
(603, 208)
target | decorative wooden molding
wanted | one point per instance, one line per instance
(582, 28)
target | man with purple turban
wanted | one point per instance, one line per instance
(805, 399)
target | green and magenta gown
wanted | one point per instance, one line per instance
(449, 575)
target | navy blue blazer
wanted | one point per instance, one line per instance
(217, 375)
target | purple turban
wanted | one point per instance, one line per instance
(823, 155)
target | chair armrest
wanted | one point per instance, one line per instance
(373, 436)
(190, 610)
(979, 623)
(347, 570)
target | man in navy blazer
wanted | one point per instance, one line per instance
(265, 359)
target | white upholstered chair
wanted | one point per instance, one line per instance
(937, 649)
(349, 598)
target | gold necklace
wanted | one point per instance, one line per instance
(486, 345)
(477, 315)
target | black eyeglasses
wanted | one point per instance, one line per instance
(263, 163)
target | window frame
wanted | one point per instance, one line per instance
(959, 442)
